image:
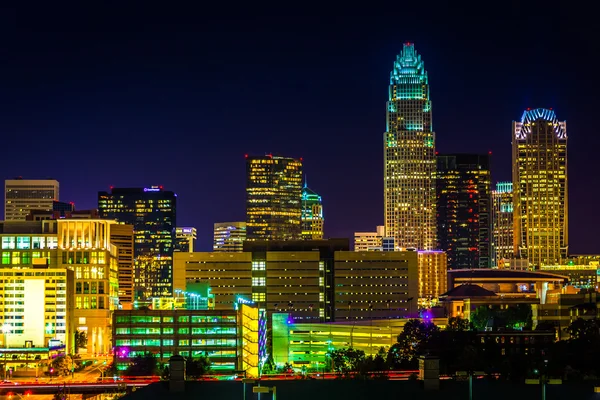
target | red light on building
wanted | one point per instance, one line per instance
(490, 152)
(245, 155)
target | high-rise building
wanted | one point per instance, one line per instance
(152, 212)
(273, 198)
(409, 155)
(433, 276)
(540, 187)
(21, 196)
(463, 209)
(121, 236)
(369, 241)
(502, 220)
(229, 236)
(184, 239)
(312, 215)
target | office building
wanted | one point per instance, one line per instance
(273, 198)
(540, 187)
(37, 307)
(229, 237)
(369, 241)
(312, 215)
(433, 280)
(184, 239)
(82, 246)
(280, 276)
(233, 340)
(152, 212)
(463, 209)
(21, 196)
(409, 156)
(502, 223)
(121, 236)
(375, 285)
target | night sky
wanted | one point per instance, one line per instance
(133, 97)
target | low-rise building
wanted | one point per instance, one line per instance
(233, 340)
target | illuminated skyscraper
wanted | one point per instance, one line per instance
(21, 196)
(409, 155)
(463, 209)
(229, 237)
(312, 215)
(502, 219)
(152, 212)
(540, 187)
(273, 198)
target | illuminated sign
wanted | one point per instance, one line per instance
(152, 189)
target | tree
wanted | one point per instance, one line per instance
(480, 317)
(458, 324)
(197, 367)
(145, 365)
(61, 366)
(80, 340)
(414, 340)
(585, 330)
(347, 360)
(287, 368)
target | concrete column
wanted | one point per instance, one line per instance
(177, 374)
(429, 372)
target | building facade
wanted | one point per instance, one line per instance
(84, 248)
(229, 237)
(121, 236)
(409, 156)
(540, 187)
(375, 285)
(312, 215)
(233, 340)
(502, 222)
(21, 196)
(184, 239)
(273, 198)
(463, 209)
(152, 212)
(433, 279)
(369, 241)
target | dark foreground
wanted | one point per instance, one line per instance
(372, 390)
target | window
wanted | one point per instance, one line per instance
(258, 265)
(184, 318)
(168, 319)
(184, 342)
(167, 342)
(77, 287)
(5, 257)
(38, 242)
(16, 257)
(183, 331)
(52, 242)
(168, 331)
(23, 242)
(8, 242)
(259, 281)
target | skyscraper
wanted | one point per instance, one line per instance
(463, 209)
(229, 237)
(21, 196)
(502, 220)
(312, 215)
(152, 212)
(409, 155)
(540, 187)
(273, 198)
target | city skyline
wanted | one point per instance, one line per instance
(461, 123)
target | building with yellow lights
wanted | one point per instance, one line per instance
(21, 196)
(540, 188)
(502, 223)
(312, 215)
(273, 198)
(369, 241)
(409, 156)
(229, 236)
(433, 280)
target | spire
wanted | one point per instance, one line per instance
(305, 181)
